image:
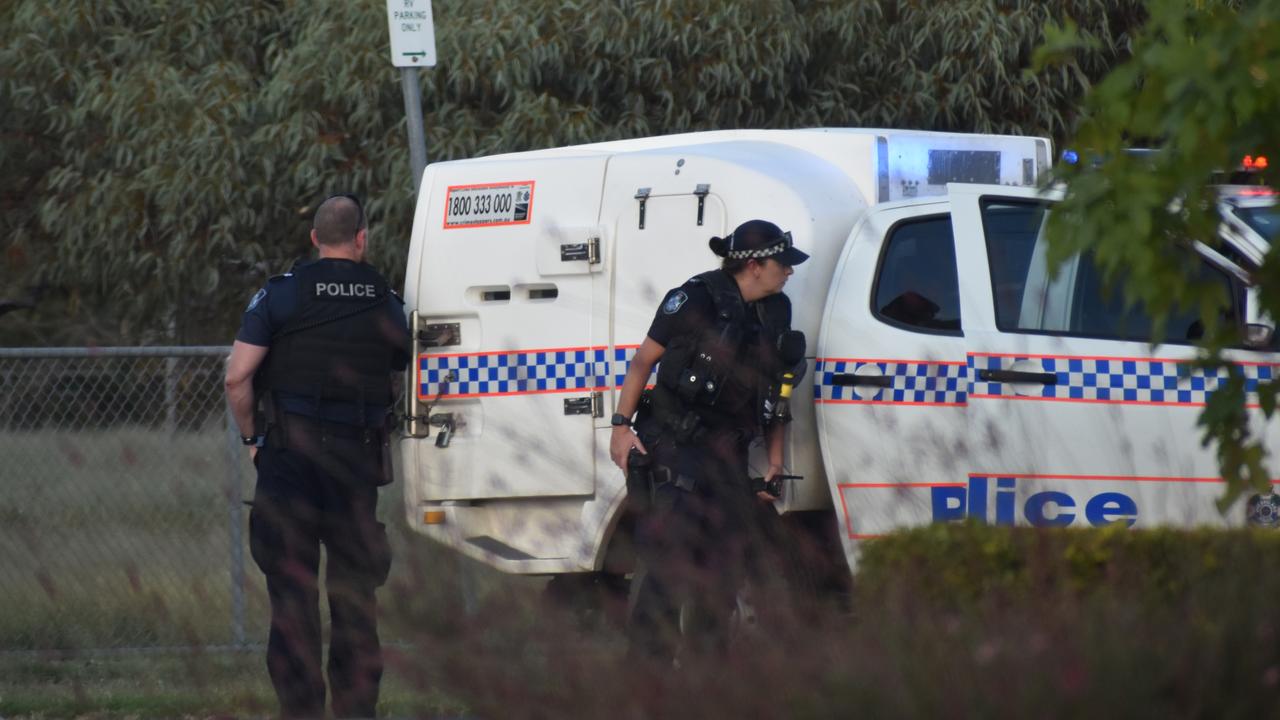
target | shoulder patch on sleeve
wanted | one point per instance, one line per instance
(257, 298)
(675, 301)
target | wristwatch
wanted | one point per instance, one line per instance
(253, 440)
(620, 419)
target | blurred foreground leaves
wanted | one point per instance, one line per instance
(1202, 89)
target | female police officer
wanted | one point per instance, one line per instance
(715, 341)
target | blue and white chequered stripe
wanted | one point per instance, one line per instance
(1119, 380)
(1122, 380)
(931, 383)
(524, 371)
(509, 372)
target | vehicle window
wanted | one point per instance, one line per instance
(1075, 301)
(1012, 231)
(1263, 220)
(916, 285)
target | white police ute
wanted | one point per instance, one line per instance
(952, 375)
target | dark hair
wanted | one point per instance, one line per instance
(744, 233)
(338, 219)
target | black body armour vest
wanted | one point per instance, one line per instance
(716, 380)
(336, 348)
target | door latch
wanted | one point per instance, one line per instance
(589, 251)
(592, 405)
(440, 335)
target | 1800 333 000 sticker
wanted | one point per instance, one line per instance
(469, 206)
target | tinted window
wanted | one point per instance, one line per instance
(917, 285)
(1101, 313)
(1012, 231)
(1076, 301)
(1264, 220)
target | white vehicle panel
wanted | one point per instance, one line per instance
(505, 387)
(1078, 428)
(890, 412)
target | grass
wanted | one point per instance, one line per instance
(124, 538)
(118, 539)
(121, 541)
(166, 685)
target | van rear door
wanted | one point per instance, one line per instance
(504, 326)
(659, 223)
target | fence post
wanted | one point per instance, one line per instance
(171, 396)
(235, 513)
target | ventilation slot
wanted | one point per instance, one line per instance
(489, 294)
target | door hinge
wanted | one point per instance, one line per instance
(643, 196)
(702, 191)
(592, 405)
(589, 251)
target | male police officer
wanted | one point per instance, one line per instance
(719, 339)
(317, 347)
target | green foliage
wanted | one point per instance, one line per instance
(962, 566)
(160, 161)
(1201, 87)
(979, 621)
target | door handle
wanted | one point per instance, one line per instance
(851, 380)
(1018, 376)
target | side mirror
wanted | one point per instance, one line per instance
(1259, 335)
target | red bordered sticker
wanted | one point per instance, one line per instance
(469, 206)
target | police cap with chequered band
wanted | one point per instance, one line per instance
(761, 239)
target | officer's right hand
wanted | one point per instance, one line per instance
(620, 444)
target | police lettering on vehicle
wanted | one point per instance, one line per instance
(346, 290)
(1050, 508)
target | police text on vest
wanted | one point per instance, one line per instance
(346, 290)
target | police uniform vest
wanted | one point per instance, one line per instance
(716, 380)
(333, 349)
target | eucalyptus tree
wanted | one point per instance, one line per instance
(161, 159)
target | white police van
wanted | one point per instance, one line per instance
(952, 376)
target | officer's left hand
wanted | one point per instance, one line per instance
(769, 475)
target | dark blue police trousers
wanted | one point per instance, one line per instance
(320, 491)
(692, 549)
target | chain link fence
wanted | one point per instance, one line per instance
(121, 502)
(123, 526)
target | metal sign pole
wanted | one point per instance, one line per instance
(413, 45)
(417, 133)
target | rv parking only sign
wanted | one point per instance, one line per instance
(413, 34)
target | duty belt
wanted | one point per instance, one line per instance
(293, 424)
